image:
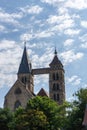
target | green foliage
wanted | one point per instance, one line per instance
(42, 113)
(75, 117)
(6, 118)
(31, 120)
(55, 113)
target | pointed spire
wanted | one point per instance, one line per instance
(55, 51)
(55, 60)
(24, 65)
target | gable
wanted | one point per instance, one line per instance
(18, 95)
(42, 92)
(17, 89)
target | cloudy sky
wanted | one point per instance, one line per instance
(44, 24)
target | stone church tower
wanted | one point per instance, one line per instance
(23, 88)
(25, 72)
(56, 80)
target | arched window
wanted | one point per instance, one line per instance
(30, 65)
(58, 98)
(57, 76)
(18, 91)
(24, 80)
(17, 104)
(54, 96)
(53, 76)
(54, 86)
(57, 86)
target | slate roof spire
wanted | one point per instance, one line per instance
(55, 60)
(25, 65)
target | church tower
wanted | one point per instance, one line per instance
(22, 89)
(56, 80)
(25, 71)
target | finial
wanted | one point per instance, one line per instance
(24, 44)
(55, 51)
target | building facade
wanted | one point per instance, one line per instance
(23, 88)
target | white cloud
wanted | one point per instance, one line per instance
(43, 60)
(26, 36)
(15, 30)
(16, 15)
(10, 53)
(53, 2)
(61, 27)
(39, 78)
(68, 42)
(72, 32)
(50, 1)
(44, 34)
(76, 16)
(60, 23)
(31, 9)
(70, 56)
(83, 38)
(37, 35)
(41, 81)
(62, 10)
(7, 79)
(74, 80)
(56, 19)
(2, 28)
(10, 18)
(84, 24)
(76, 4)
(7, 44)
(84, 45)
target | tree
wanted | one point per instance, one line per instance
(31, 120)
(41, 113)
(6, 118)
(75, 117)
(55, 113)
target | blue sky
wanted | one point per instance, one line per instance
(44, 24)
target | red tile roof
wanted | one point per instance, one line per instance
(42, 92)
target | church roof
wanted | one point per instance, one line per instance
(42, 92)
(55, 60)
(25, 66)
